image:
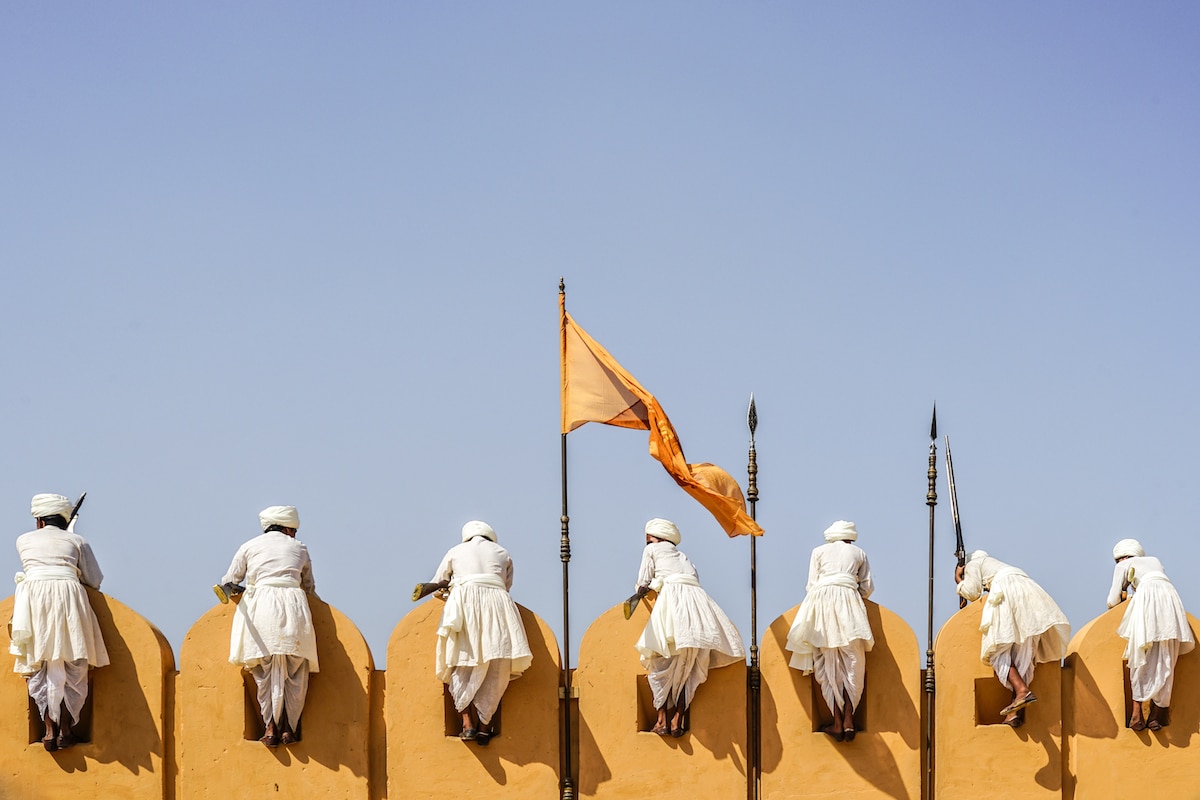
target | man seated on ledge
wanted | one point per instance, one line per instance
(1156, 628)
(272, 635)
(481, 639)
(55, 635)
(1021, 625)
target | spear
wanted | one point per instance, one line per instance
(753, 677)
(931, 501)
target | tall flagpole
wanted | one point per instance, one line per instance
(566, 784)
(753, 677)
(931, 501)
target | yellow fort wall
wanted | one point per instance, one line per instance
(619, 757)
(973, 750)
(158, 733)
(130, 711)
(1106, 758)
(884, 760)
(218, 722)
(425, 757)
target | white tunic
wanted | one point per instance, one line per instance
(273, 617)
(1017, 611)
(480, 622)
(833, 614)
(1154, 614)
(684, 616)
(52, 618)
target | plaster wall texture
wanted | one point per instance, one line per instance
(1106, 758)
(884, 760)
(130, 709)
(619, 757)
(973, 751)
(425, 757)
(218, 722)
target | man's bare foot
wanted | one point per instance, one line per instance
(271, 737)
(1160, 717)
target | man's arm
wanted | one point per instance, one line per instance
(89, 568)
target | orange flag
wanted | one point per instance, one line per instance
(595, 388)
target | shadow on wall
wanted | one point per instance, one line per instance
(884, 757)
(336, 709)
(125, 730)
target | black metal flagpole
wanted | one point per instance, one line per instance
(753, 677)
(931, 501)
(567, 783)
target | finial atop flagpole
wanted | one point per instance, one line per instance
(562, 287)
(752, 417)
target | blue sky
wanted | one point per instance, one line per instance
(299, 253)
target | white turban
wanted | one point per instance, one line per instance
(663, 529)
(284, 516)
(47, 505)
(477, 528)
(1128, 547)
(841, 531)
(976, 555)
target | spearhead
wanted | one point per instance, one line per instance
(752, 417)
(933, 425)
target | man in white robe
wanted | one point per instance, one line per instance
(687, 635)
(272, 635)
(55, 635)
(481, 639)
(1156, 628)
(1021, 626)
(831, 633)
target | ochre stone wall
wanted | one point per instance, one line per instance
(619, 757)
(158, 733)
(425, 757)
(884, 760)
(1101, 748)
(973, 750)
(130, 709)
(219, 722)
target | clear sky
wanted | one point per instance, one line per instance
(308, 253)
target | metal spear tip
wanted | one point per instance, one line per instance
(752, 415)
(933, 425)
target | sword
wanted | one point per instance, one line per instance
(78, 505)
(960, 551)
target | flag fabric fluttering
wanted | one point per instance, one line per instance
(595, 388)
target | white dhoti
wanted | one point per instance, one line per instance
(481, 643)
(55, 638)
(830, 638)
(1157, 630)
(687, 635)
(272, 637)
(282, 687)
